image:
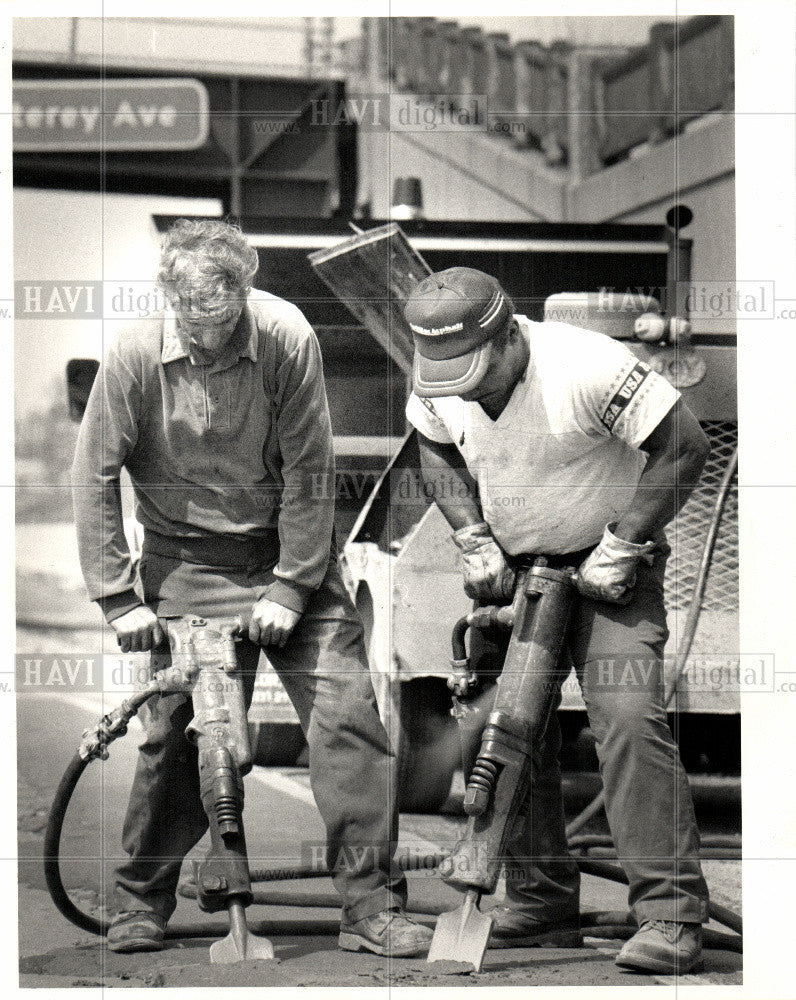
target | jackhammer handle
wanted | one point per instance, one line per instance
(237, 624)
(181, 635)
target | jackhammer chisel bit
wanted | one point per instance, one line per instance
(220, 730)
(501, 777)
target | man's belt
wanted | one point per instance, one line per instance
(554, 560)
(222, 551)
(561, 560)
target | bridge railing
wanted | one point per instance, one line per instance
(583, 106)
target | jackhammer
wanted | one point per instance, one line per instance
(499, 781)
(204, 665)
(500, 778)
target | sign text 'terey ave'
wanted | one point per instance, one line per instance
(110, 115)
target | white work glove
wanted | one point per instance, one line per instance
(487, 575)
(609, 572)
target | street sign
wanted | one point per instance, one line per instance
(109, 115)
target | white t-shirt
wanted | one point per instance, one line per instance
(562, 460)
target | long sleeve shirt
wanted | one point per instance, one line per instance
(239, 446)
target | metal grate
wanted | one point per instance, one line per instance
(687, 532)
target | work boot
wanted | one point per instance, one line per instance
(512, 928)
(662, 946)
(136, 930)
(390, 932)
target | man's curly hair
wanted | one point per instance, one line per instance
(205, 263)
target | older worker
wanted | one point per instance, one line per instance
(217, 409)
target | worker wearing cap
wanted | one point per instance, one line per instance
(565, 444)
(217, 408)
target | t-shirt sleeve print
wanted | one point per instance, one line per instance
(421, 414)
(618, 394)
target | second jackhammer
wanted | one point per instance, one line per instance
(204, 666)
(501, 777)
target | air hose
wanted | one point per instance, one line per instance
(93, 925)
(95, 744)
(52, 842)
(86, 922)
(689, 629)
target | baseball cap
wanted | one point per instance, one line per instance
(453, 316)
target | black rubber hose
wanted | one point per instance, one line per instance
(302, 872)
(613, 873)
(457, 638)
(705, 853)
(713, 847)
(52, 842)
(726, 841)
(594, 924)
(262, 928)
(319, 900)
(277, 897)
(587, 866)
(598, 923)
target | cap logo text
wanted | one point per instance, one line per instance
(436, 331)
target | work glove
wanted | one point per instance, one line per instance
(609, 572)
(487, 575)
